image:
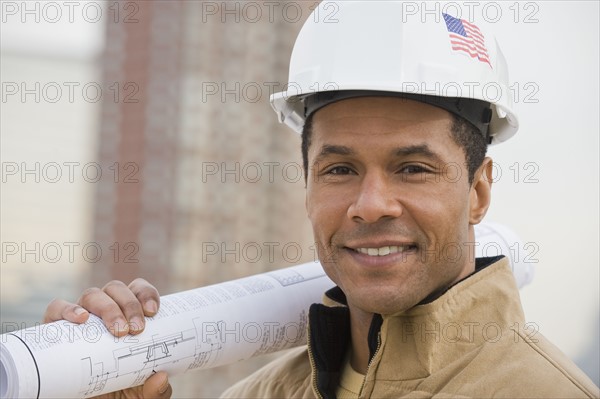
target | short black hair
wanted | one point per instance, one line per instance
(467, 136)
(472, 142)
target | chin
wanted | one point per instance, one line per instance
(384, 302)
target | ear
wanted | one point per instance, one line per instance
(306, 199)
(481, 192)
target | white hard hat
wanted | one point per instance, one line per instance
(350, 47)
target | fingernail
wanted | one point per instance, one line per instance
(136, 324)
(119, 327)
(163, 388)
(151, 306)
(79, 311)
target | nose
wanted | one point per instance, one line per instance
(374, 201)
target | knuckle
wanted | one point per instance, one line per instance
(51, 310)
(88, 292)
(113, 284)
(54, 303)
(143, 289)
(108, 308)
(138, 282)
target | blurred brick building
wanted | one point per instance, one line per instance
(207, 184)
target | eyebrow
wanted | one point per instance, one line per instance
(420, 149)
(329, 149)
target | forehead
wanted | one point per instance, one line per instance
(373, 121)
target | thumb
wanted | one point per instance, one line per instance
(157, 386)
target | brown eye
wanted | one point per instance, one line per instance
(414, 169)
(339, 170)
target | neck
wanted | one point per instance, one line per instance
(360, 322)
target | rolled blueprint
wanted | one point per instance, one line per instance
(197, 329)
(193, 330)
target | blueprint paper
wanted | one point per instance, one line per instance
(193, 330)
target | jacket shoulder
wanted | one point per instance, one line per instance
(288, 376)
(554, 369)
(528, 365)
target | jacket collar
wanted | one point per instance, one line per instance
(430, 336)
(413, 344)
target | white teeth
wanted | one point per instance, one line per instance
(382, 251)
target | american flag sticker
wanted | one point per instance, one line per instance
(466, 37)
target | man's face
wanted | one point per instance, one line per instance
(389, 200)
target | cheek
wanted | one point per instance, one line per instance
(327, 217)
(324, 225)
(326, 212)
(438, 213)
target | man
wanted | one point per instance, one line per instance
(396, 179)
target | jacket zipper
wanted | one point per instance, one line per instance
(313, 368)
(370, 363)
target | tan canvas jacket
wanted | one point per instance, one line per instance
(470, 342)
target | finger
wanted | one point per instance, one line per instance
(157, 386)
(60, 309)
(147, 295)
(102, 305)
(129, 304)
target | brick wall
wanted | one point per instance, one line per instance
(204, 164)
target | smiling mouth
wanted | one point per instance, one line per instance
(386, 250)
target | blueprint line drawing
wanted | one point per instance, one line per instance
(193, 330)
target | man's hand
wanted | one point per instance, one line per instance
(122, 309)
